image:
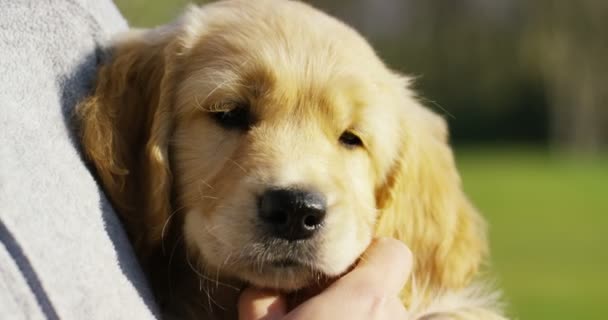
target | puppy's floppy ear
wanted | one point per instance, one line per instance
(422, 204)
(125, 127)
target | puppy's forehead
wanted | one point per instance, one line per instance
(289, 35)
(297, 57)
(305, 56)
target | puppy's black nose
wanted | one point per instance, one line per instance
(292, 214)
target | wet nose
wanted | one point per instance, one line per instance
(292, 214)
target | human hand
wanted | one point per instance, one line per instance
(369, 291)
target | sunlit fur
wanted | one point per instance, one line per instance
(176, 177)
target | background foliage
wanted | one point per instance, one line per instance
(524, 87)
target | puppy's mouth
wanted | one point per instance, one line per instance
(275, 266)
(287, 263)
(282, 267)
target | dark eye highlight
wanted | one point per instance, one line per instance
(237, 118)
(350, 140)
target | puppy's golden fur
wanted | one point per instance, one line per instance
(185, 184)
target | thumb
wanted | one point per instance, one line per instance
(258, 304)
(388, 262)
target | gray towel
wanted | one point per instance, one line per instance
(63, 252)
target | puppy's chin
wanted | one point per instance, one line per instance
(285, 276)
(281, 274)
(260, 261)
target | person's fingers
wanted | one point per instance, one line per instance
(369, 291)
(258, 304)
(386, 266)
(394, 309)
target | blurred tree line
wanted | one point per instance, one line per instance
(514, 71)
(508, 71)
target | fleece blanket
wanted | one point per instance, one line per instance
(63, 252)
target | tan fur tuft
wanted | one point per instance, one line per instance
(125, 128)
(422, 203)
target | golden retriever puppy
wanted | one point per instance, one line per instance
(264, 143)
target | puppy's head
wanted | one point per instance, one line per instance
(282, 141)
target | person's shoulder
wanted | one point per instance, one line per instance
(99, 17)
(103, 13)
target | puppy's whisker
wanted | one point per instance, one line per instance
(436, 104)
(205, 277)
(202, 195)
(217, 272)
(200, 105)
(226, 260)
(163, 231)
(202, 181)
(236, 164)
(211, 232)
(205, 288)
(200, 190)
(242, 251)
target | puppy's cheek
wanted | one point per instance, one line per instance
(344, 241)
(199, 237)
(205, 236)
(218, 237)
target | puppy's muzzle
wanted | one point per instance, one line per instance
(292, 214)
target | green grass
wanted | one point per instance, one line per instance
(150, 13)
(548, 218)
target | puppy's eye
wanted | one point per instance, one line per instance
(236, 118)
(350, 140)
